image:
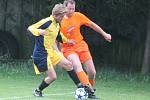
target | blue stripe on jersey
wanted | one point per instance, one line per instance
(59, 37)
(45, 25)
(39, 49)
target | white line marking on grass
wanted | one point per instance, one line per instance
(25, 97)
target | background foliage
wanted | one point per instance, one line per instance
(125, 20)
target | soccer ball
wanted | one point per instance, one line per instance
(81, 94)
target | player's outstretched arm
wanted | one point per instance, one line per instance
(100, 30)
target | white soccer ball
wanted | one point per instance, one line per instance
(81, 94)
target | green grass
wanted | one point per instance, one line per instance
(17, 81)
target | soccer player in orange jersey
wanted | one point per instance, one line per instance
(78, 52)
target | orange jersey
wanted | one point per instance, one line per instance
(70, 27)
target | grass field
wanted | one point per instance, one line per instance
(17, 81)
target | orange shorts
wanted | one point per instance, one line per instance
(80, 48)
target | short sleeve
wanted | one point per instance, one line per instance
(83, 19)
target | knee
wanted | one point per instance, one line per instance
(92, 73)
(68, 66)
(52, 78)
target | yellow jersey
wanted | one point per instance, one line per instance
(44, 43)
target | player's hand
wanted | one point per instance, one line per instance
(42, 32)
(108, 37)
(71, 42)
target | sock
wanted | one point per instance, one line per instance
(92, 82)
(83, 78)
(74, 77)
(43, 85)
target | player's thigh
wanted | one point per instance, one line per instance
(84, 56)
(55, 57)
(58, 59)
(74, 58)
(65, 64)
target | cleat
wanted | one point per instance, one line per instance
(87, 89)
(37, 93)
(80, 85)
(90, 92)
(93, 96)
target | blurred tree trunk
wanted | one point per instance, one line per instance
(146, 60)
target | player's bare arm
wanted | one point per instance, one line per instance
(100, 30)
(42, 32)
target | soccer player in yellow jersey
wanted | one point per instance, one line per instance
(46, 53)
(78, 53)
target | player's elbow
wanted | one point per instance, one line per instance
(29, 29)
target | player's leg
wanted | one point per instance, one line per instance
(86, 59)
(90, 69)
(61, 61)
(67, 65)
(51, 76)
(82, 75)
(79, 70)
(45, 65)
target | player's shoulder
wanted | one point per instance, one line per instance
(79, 14)
(47, 19)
